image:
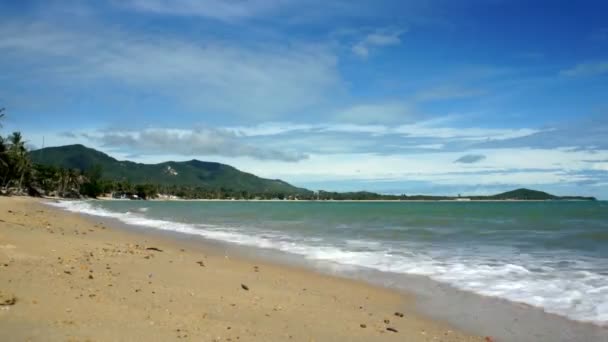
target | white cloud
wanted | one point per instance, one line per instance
(424, 130)
(600, 166)
(501, 166)
(212, 76)
(587, 69)
(217, 9)
(16, 38)
(379, 38)
(198, 142)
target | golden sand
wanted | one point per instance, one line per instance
(65, 277)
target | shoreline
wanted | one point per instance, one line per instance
(483, 315)
(423, 298)
(75, 278)
(324, 201)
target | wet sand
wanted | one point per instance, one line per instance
(68, 277)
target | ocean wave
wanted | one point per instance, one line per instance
(559, 285)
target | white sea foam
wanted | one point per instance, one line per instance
(579, 291)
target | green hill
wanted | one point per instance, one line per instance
(189, 173)
(524, 194)
(527, 194)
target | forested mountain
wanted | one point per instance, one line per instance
(193, 173)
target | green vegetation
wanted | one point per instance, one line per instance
(76, 171)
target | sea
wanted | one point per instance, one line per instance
(552, 255)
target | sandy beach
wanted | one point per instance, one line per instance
(69, 277)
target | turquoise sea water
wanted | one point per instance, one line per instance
(552, 255)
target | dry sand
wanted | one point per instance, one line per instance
(65, 277)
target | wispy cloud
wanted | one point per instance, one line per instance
(373, 113)
(217, 9)
(587, 69)
(377, 39)
(421, 129)
(212, 75)
(587, 134)
(448, 92)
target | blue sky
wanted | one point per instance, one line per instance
(394, 96)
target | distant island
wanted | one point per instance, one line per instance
(76, 170)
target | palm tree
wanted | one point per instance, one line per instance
(2, 145)
(72, 179)
(18, 152)
(3, 157)
(4, 162)
(63, 179)
(69, 180)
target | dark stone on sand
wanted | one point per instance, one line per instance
(245, 287)
(398, 314)
(386, 321)
(392, 329)
(200, 263)
(12, 300)
(67, 272)
(154, 249)
(363, 325)
(90, 276)
(35, 192)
